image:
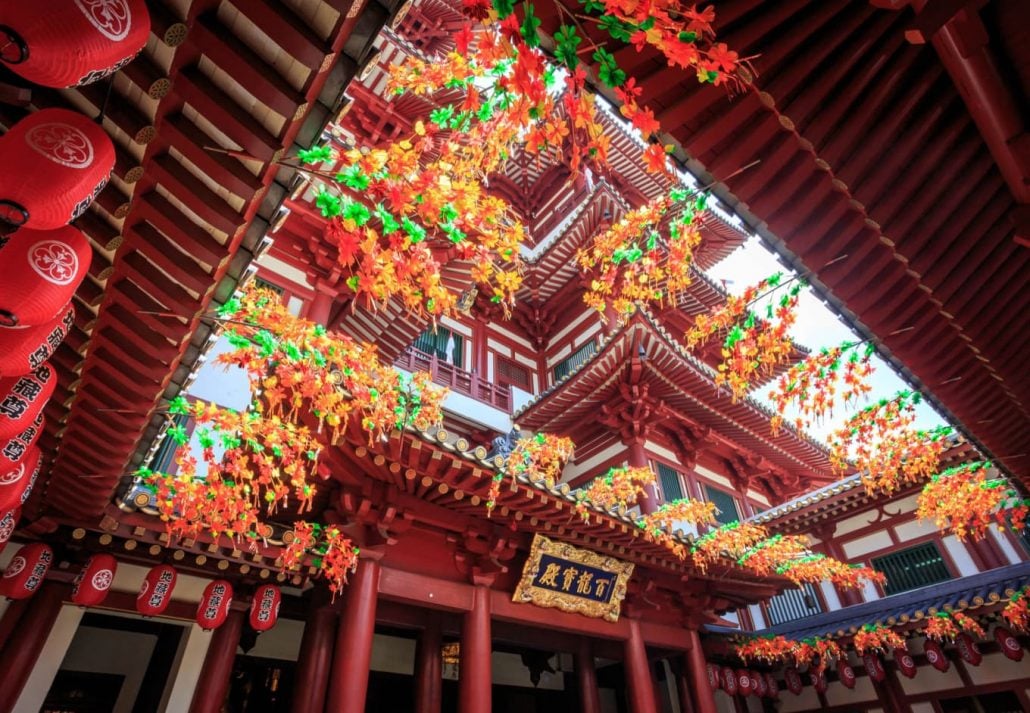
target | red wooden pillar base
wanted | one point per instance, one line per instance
(9, 621)
(348, 683)
(316, 655)
(27, 640)
(638, 672)
(476, 672)
(213, 684)
(586, 679)
(697, 676)
(429, 668)
(321, 307)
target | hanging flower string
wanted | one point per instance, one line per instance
(941, 627)
(300, 369)
(619, 487)
(541, 456)
(814, 385)
(633, 261)
(767, 649)
(753, 345)
(815, 568)
(656, 525)
(327, 549)
(1017, 612)
(728, 541)
(877, 638)
(965, 500)
(887, 451)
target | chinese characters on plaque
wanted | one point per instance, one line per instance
(573, 580)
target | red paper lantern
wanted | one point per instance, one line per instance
(26, 571)
(1008, 643)
(155, 594)
(23, 397)
(55, 163)
(264, 609)
(792, 679)
(41, 269)
(906, 664)
(874, 666)
(968, 649)
(935, 655)
(64, 43)
(713, 676)
(214, 604)
(729, 680)
(25, 349)
(774, 686)
(8, 522)
(846, 672)
(15, 451)
(760, 685)
(15, 483)
(94, 581)
(744, 683)
(819, 680)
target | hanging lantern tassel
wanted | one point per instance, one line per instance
(67, 43)
(155, 593)
(16, 482)
(214, 605)
(264, 609)
(23, 397)
(25, 349)
(55, 163)
(8, 522)
(27, 570)
(41, 269)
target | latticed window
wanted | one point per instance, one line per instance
(793, 604)
(562, 368)
(672, 489)
(437, 341)
(508, 372)
(726, 504)
(912, 568)
(266, 285)
(165, 453)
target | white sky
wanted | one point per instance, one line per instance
(816, 327)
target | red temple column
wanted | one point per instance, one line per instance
(316, 655)
(586, 678)
(213, 684)
(320, 308)
(638, 672)
(697, 676)
(638, 459)
(348, 683)
(429, 668)
(476, 674)
(9, 621)
(27, 640)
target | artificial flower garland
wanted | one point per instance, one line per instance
(877, 638)
(966, 501)
(1017, 612)
(540, 456)
(621, 486)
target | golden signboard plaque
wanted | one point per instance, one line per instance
(558, 575)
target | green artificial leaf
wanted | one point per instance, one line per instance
(328, 203)
(615, 27)
(353, 177)
(592, 5)
(646, 24)
(178, 434)
(608, 71)
(318, 154)
(390, 224)
(566, 42)
(414, 231)
(774, 279)
(529, 24)
(686, 36)
(442, 115)
(504, 8)
(448, 213)
(358, 212)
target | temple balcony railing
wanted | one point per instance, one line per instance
(456, 379)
